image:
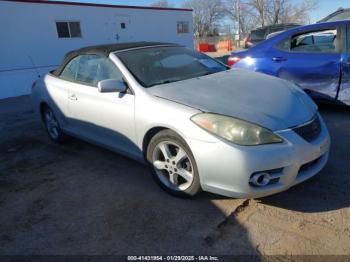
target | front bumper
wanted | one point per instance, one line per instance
(226, 169)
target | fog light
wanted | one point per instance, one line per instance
(260, 179)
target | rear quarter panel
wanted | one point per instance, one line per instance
(53, 92)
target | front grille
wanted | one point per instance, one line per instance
(309, 131)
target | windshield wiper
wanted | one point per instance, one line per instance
(167, 81)
(204, 74)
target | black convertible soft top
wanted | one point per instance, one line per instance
(104, 50)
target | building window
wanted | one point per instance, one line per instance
(182, 27)
(68, 29)
(122, 25)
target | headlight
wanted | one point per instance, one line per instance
(235, 130)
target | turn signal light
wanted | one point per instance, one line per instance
(232, 60)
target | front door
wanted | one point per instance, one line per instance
(58, 91)
(344, 91)
(313, 61)
(105, 118)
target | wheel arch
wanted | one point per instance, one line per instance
(42, 106)
(149, 135)
(195, 187)
(151, 132)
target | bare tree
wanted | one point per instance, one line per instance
(242, 14)
(161, 3)
(254, 13)
(261, 9)
(206, 15)
(296, 13)
(282, 11)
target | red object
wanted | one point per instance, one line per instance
(232, 60)
(224, 45)
(205, 47)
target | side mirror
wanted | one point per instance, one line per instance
(111, 85)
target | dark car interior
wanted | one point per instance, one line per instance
(321, 41)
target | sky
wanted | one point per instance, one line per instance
(325, 7)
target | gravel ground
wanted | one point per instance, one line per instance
(77, 198)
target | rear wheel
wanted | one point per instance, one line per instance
(172, 164)
(52, 126)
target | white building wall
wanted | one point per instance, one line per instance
(29, 36)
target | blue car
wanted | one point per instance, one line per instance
(315, 57)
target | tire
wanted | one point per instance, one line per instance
(172, 164)
(52, 125)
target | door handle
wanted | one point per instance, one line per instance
(279, 59)
(73, 97)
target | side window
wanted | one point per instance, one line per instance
(88, 69)
(182, 27)
(68, 29)
(325, 41)
(107, 70)
(94, 68)
(284, 45)
(71, 69)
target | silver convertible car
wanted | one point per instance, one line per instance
(199, 125)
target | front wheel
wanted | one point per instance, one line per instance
(173, 165)
(52, 126)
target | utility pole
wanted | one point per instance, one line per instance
(238, 15)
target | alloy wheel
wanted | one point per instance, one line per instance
(52, 125)
(173, 166)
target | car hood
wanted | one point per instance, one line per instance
(265, 100)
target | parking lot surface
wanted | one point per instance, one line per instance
(77, 198)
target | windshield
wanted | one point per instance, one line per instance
(161, 65)
(340, 17)
(258, 34)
